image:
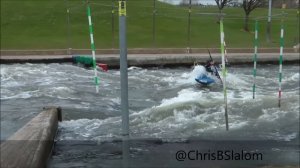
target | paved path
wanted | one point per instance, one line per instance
(157, 59)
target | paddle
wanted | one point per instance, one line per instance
(217, 73)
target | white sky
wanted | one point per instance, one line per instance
(176, 2)
(204, 2)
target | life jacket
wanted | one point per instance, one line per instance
(208, 68)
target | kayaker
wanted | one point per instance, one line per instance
(209, 66)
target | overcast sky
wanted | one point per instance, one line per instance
(204, 2)
(176, 2)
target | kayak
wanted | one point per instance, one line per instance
(204, 80)
(87, 61)
(202, 77)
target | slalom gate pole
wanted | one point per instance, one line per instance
(123, 67)
(92, 47)
(124, 83)
(113, 23)
(217, 73)
(255, 58)
(225, 51)
(154, 24)
(189, 24)
(224, 71)
(280, 62)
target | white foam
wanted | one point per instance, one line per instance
(295, 77)
(185, 95)
(22, 95)
(116, 100)
(61, 92)
(134, 68)
(292, 78)
(281, 137)
(271, 114)
(189, 77)
(192, 112)
(236, 81)
(87, 129)
(289, 137)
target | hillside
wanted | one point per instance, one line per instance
(42, 24)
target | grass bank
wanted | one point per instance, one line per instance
(42, 24)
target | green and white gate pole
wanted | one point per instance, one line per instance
(280, 62)
(224, 71)
(92, 46)
(225, 51)
(255, 58)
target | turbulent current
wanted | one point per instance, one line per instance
(164, 103)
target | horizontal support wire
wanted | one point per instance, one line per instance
(76, 6)
(281, 16)
(100, 4)
(171, 16)
(102, 12)
(212, 14)
(194, 12)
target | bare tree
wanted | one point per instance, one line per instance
(187, 2)
(221, 4)
(249, 6)
(184, 2)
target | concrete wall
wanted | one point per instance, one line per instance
(31, 146)
(139, 51)
(159, 60)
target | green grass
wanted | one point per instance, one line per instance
(42, 24)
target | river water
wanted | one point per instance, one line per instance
(168, 111)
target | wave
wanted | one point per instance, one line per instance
(55, 92)
(199, 114)
(177, 109)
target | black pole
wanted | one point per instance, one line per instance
(153, 24)
(113, 23)
(68, 29)
(124, 82)
(269, 22)
(189, 24)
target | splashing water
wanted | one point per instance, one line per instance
(164, 103)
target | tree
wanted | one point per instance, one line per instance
(184, 2)
(221, 4)
(234, 4)
(187, 2)
(249, 6)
